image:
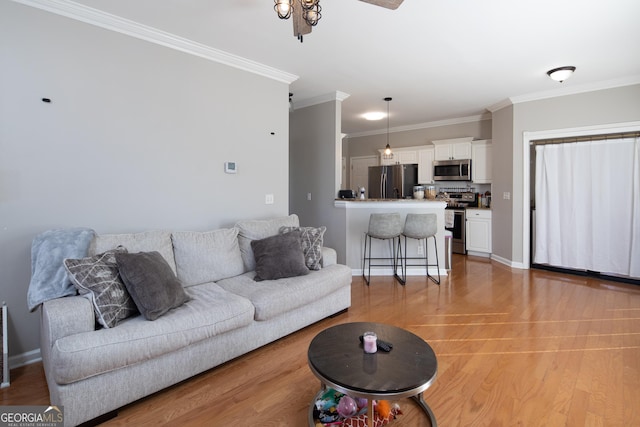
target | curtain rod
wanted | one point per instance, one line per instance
(619, 135)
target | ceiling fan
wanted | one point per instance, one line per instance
(306, 13)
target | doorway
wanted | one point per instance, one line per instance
(579, 222)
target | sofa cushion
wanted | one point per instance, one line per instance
(312, 240)
(249, 230)
(97, 279)
(147, 241)
(212, 311)
(203, 257)
(153, 286)
(279, 256)
(274, 297)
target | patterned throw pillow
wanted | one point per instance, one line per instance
(311, 244)
(98, 279)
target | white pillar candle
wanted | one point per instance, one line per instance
(369, 342)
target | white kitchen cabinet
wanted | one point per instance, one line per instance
(407, 157)
(385, 162)
(449, 149)
(478, 232)
(481, 161)
(400, 156)
(425, 165)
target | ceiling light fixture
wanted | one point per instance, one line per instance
(306, 13)
(388, 154)
(374, 115)
(561, 74)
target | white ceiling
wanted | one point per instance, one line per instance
(440, 60)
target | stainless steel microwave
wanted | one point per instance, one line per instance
(452, 170)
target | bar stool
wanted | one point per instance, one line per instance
(421, 227)
(383, 226)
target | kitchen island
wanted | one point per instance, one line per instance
(356, 217)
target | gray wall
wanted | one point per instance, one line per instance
(502, 180)
(314, 164)
(134, 139)
(602, 107)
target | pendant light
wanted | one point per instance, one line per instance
(387, 154)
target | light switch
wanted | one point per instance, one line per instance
(308, 196)
(268, 199)
(506, 195)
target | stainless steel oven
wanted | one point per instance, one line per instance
(458, 242)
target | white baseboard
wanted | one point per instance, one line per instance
(479, 254)
(509, 263)
(23, 359)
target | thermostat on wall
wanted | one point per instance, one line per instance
(230, 167)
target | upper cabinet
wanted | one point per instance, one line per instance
(481, 161)
(401, 156)
(407, 157)
(450, 149)
(425, 165)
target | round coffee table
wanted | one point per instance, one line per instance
(337, 358)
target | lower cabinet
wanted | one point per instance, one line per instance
(478, 231)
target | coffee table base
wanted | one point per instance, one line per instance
(419, 399)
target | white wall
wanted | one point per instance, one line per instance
(134, 139)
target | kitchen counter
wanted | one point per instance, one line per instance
(390, 202)
(355, 214)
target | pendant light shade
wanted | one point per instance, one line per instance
(284, 8)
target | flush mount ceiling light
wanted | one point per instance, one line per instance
(306, 13)
(562, 73)
(374, 115)
(388, 154)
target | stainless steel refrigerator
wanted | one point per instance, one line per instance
(392, 182)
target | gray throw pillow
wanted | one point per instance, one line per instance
(279, 256)
(311, 238)
(151, 282)
(256, 229)
(97, 278)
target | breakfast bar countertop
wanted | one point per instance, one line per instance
(355, 215)
(390, 202)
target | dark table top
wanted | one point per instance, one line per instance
(336, 356)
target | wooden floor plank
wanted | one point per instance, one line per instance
(514, 347)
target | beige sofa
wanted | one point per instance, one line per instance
(93, 371)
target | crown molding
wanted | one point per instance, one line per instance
(500, 105)
(574, 90)
(447, 122)
(564, 91)
(130, 28)
(321, 99)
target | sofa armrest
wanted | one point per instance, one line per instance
(329, 256)
(66, 316)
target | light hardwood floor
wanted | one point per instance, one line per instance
(514, 348)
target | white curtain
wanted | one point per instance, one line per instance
(588, 206)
